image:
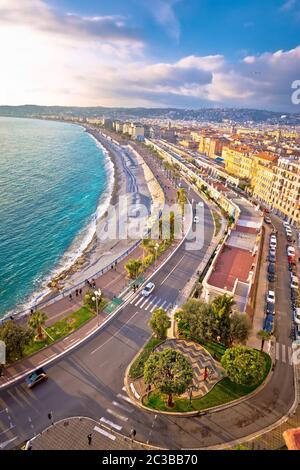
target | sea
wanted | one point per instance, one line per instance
(55, 182)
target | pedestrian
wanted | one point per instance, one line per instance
(94, 283)
(89, 439)
(80, 291)
(76, 292)
(70, 297)
(31, 311)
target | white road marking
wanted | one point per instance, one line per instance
(139, 301)
(5, 443)
(290, 356)
(105, 433)
(122, 407)
(118, 331)
(8, 429)
(283, 353)
(150, 303)
(162, 305)
(110, 423)
(146, 301)
(124, 398)
(277, 351)
(117, 415)
(128, 295)
(169, 274)
(169, 306)
(134, 299)
(156, 305)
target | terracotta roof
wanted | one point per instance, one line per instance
(292, 438)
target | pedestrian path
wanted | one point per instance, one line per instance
(150, 303)
(284, 353)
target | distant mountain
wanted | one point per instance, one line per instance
(204, 114)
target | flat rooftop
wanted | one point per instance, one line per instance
(231, 264)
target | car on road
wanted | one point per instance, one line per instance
(267, 220)
(286, 224)
(271, 277)
(297, 316)
(196, 219)
(271, 296)
(270, 308)
(294, 282)
(269, 324)
(272, 258)
(272, 251)
(148, 289)
(291, 251)
(271, 268)
(36, 377)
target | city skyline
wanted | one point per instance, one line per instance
(177, 53)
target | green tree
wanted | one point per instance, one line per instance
(181, 199)
(36, 321)
(264, 336)
(169, 372)
(88, 300)
(243, 365)
(160, 322)
(195, 319)
(239, 328)
(16, 338)
(221, 310)
(134, 268)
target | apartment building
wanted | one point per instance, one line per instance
(239, 161)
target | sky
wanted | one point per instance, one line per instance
(153, 53)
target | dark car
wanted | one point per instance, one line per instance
(270, 308)
(269, 324)
(36, 377)
(272, 258)
(271, 268)
(271, 277)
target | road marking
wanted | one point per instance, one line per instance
(124, 398)
(163, 304)
(122, 407)
(8, 429)
(105, 433)
(117, 415)
(156, 305)
(150, 303)
(283, 353)
(139, 301)
(48, 358)
(277, 351)
(128, 295)
(118, 331)
(169, 306)
(169, 274)
(134, 299)
(5, 443)
(110, 423)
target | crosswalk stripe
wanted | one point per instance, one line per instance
(283, 353)
(117, 415)
(105, 433)
(150, 303)
(124, 398)
(169, 306)
(139, 301)
(146, 301)
(277, 351)
(133, 300)
(155, 305)
(162, 305)
(290, 354)
(125, 292)
(127, 295)
(122, 407)
(110, 423)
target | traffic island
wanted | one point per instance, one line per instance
(210, 389)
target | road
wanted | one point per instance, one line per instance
(89, 381)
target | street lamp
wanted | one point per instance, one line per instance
(97, 298)
(156, 246)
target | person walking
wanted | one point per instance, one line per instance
(70, 297)
(89, 438)
(80, 291)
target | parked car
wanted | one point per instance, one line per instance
(196, 219)
(286, 224)
(148, 289)
(272, 258)
(267, 220)
(297, 316)
(36, 377)
(271, 277)
(272, 251)
(269, 324)
(271, 268)
(294, 282)
(270, 308)
(297, 332)
(271, 296)
(291, 251)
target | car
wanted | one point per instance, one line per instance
(270, 308)
(273, 243)
(272, 251)
(289, 239)
(271, 296)
(271, 268)
(294, 282)
(148, 289)
(273, 246)
(269, 324)
(196, 219)
(286, 224)
(297, 332)
(267, 220)
(271, 277)
(291, 251)
(36, 377)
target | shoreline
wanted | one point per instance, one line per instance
(50, 285)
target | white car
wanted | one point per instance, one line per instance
(294, 282)
(196, 219)
(291, 251)
(286, 224)
(272, 246)
(148, 289)
(271, 296)
(297, 316)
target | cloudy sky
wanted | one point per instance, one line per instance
(185, 53)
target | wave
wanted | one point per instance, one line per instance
(80, 243)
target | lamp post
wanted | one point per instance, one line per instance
(97, 298)
(156, 249)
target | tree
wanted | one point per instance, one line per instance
(36, 322)
(168, 371)
(181, 198)
(221, 310)
(239, 328)
(243, 365)
(134, 268)
(88, 300)
(264, 336)
(148, 246)
(160, 322)
(16, 338)
(195, 319)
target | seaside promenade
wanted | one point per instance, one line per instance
(114, 284)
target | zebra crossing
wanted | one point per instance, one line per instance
(150, 303)
(116, 416)
(284, 353)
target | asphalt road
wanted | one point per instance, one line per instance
(89, 381)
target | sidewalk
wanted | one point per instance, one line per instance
(71, 434)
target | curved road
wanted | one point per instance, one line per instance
(89, 381)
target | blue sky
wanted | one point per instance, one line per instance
(187, 53)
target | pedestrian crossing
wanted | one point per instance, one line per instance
(284, 353)
(150, 303)
(116, 416)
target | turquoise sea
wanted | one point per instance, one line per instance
(54, 180)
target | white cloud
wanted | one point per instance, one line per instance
(164, 13)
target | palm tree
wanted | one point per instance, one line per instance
(36, 321)
(134, 268)
(264, 336)
(181, 198)
(148, 246)
(222, 305)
